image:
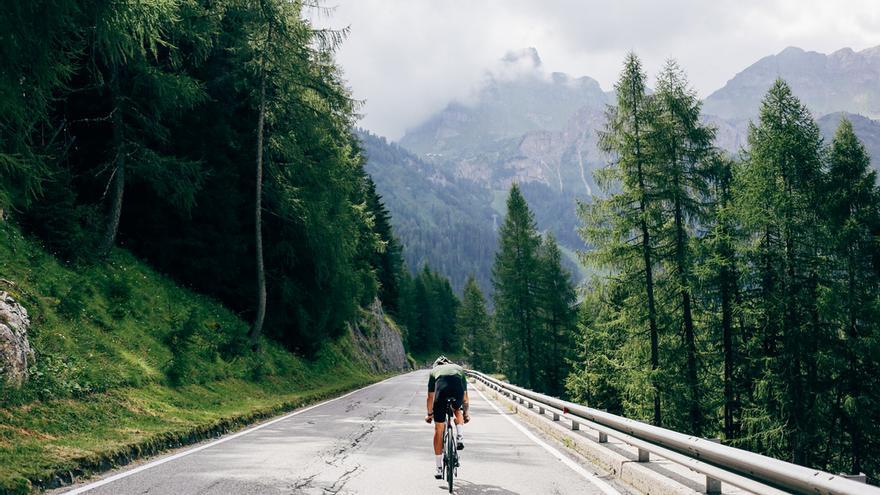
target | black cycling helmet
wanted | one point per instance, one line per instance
(441, 360)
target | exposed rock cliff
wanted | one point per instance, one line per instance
(380, 341)
(15, 350)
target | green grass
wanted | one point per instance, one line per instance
(128, 363)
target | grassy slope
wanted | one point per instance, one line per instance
(106, 385)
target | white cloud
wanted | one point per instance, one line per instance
(408, 58)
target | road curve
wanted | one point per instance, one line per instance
(372, 441)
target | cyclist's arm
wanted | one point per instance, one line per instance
(432, 383)
(466, 401)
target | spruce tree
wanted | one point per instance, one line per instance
(853, 209)
(387, 260)
(777, 192)
(475, 328)
(719, 275)
(515, 275)
(598, 374)
(558, 313)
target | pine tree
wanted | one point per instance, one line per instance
(558, 314)
(475, 328)
(622, 224)
(680, 146)
(514, 276)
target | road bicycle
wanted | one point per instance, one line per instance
(450, 452)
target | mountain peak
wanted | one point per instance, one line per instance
(791, 51)
(528, 55)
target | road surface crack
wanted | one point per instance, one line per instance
(340, 482)
(304, 482)
(337, 456)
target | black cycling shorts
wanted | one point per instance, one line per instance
(447, 387)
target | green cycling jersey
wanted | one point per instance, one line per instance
(443, 370)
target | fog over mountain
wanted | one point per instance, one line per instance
(518, 97)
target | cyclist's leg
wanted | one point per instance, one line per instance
(456, 391)
(438, 437)
(439, 410)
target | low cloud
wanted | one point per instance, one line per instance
(408, 58)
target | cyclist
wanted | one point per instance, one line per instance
(447, 380)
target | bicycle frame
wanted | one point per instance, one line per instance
(450, 453)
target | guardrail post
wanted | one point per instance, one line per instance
(555, 416)
(644, 455)
(713, 486)
(531, 405)
(575, 426)
(861, 478)
(603, 438)
(540, 409)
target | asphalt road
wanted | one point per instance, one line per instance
(372, 441)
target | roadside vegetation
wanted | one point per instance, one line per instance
(129, 363)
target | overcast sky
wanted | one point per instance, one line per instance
(408, 58)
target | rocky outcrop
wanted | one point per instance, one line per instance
(379, 341)
(15, 350)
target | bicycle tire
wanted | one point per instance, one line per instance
(450, 455)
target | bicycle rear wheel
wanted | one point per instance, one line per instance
(450, 456)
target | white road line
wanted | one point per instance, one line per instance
(125, 474)
(592, 478)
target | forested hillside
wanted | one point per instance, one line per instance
(439, 219)
(212, 139)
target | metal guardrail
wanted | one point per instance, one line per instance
(720, 463)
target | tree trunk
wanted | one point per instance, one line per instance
(694, 412)
(117, 188)
(853, 385)
(257, 329)
(727, 339)
(649, 274)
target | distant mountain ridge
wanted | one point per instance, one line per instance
(845, 80)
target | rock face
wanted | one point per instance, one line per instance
(15, 350)
(379, 342)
